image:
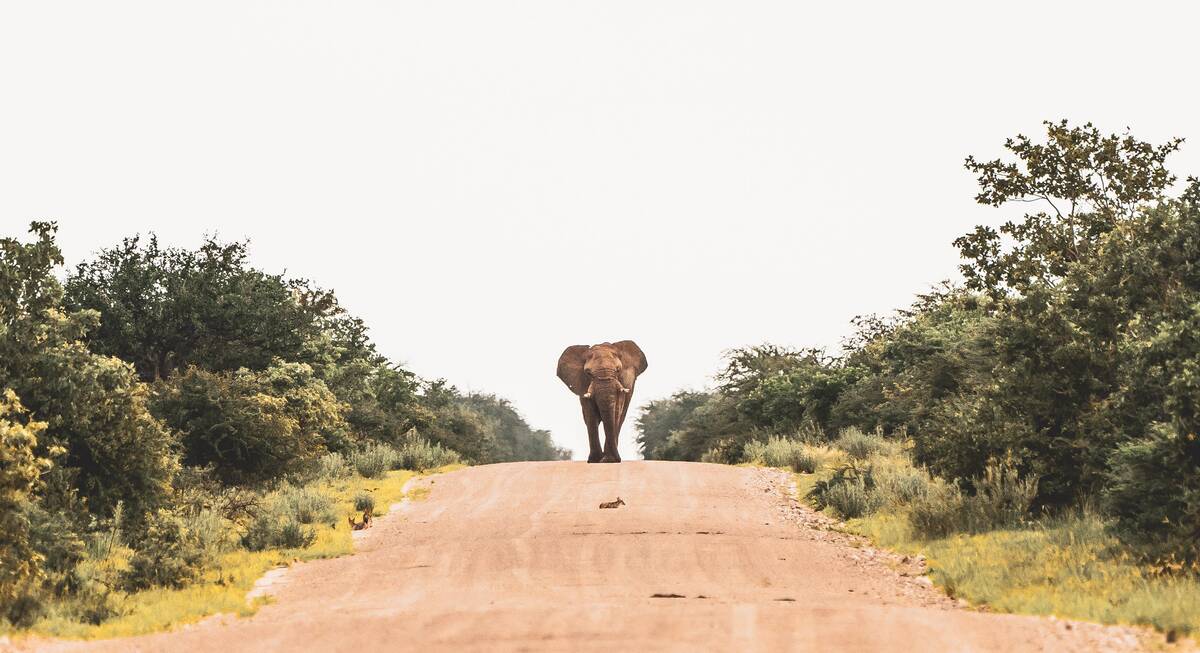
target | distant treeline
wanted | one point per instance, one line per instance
(152, 367)
(1071, 348)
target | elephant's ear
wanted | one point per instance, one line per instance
(631, 356)
(570, 368)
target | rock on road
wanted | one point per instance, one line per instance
(701, 557)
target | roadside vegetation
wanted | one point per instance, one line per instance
(1032, 429)
(986, 547)
(173, 422)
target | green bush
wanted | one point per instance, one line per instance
(420, 455)
(106, 538)
(755, 451)
(212, 532)
(720, 455)
(333, 466)
(850, 491)
(1002, 499)
(901, 485)
(1002, 496)
(1154, 492)
(281, 523)
(851, 499)
(303, 504)
(19, 472)
(859, 445)
(233, 422)
(363, 502)
(96, 409)
(261, 533)
(940, 512)
(58, 528)
(780, 452)
(273, 532)
(374, 460)
(167, 554)
(294, 536)
(805, 461)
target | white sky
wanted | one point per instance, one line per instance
(488, 182)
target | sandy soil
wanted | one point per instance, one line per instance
(700, 557)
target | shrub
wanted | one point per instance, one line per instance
(333, 466)
(780, 452)
(98, 411)
(940, 512)
(901, 484)
(718, 455)
(212, 532)
(859, 445)
(755, 451)
(419, 454)
(813, 457)
(319, 416)
(850, 492)
(294, 536)
(233, 421)
(1002, 499)
(374, 460)
(197, 490)
(303, 504)
(261, 533)
(805, 461)
(272, 532)
(95, 599)
(58, 525)
(107, 539)
(19, 471)
(1154, 492)
(851, 499)
(364, 501)
(168, 554)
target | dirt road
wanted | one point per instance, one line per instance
(700, 557)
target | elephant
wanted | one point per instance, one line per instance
(603, 377)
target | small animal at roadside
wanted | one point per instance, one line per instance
(366, 521)
(612, 504)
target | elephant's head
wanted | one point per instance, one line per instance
(604, 374)
(601, 371)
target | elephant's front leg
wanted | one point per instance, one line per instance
(591, 418)
(611, 432)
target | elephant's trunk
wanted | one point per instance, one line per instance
(610, 395)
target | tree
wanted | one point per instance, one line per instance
(660, 418)
(514, 438)
(93, 406)
(163, 309)
(1089, 181)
